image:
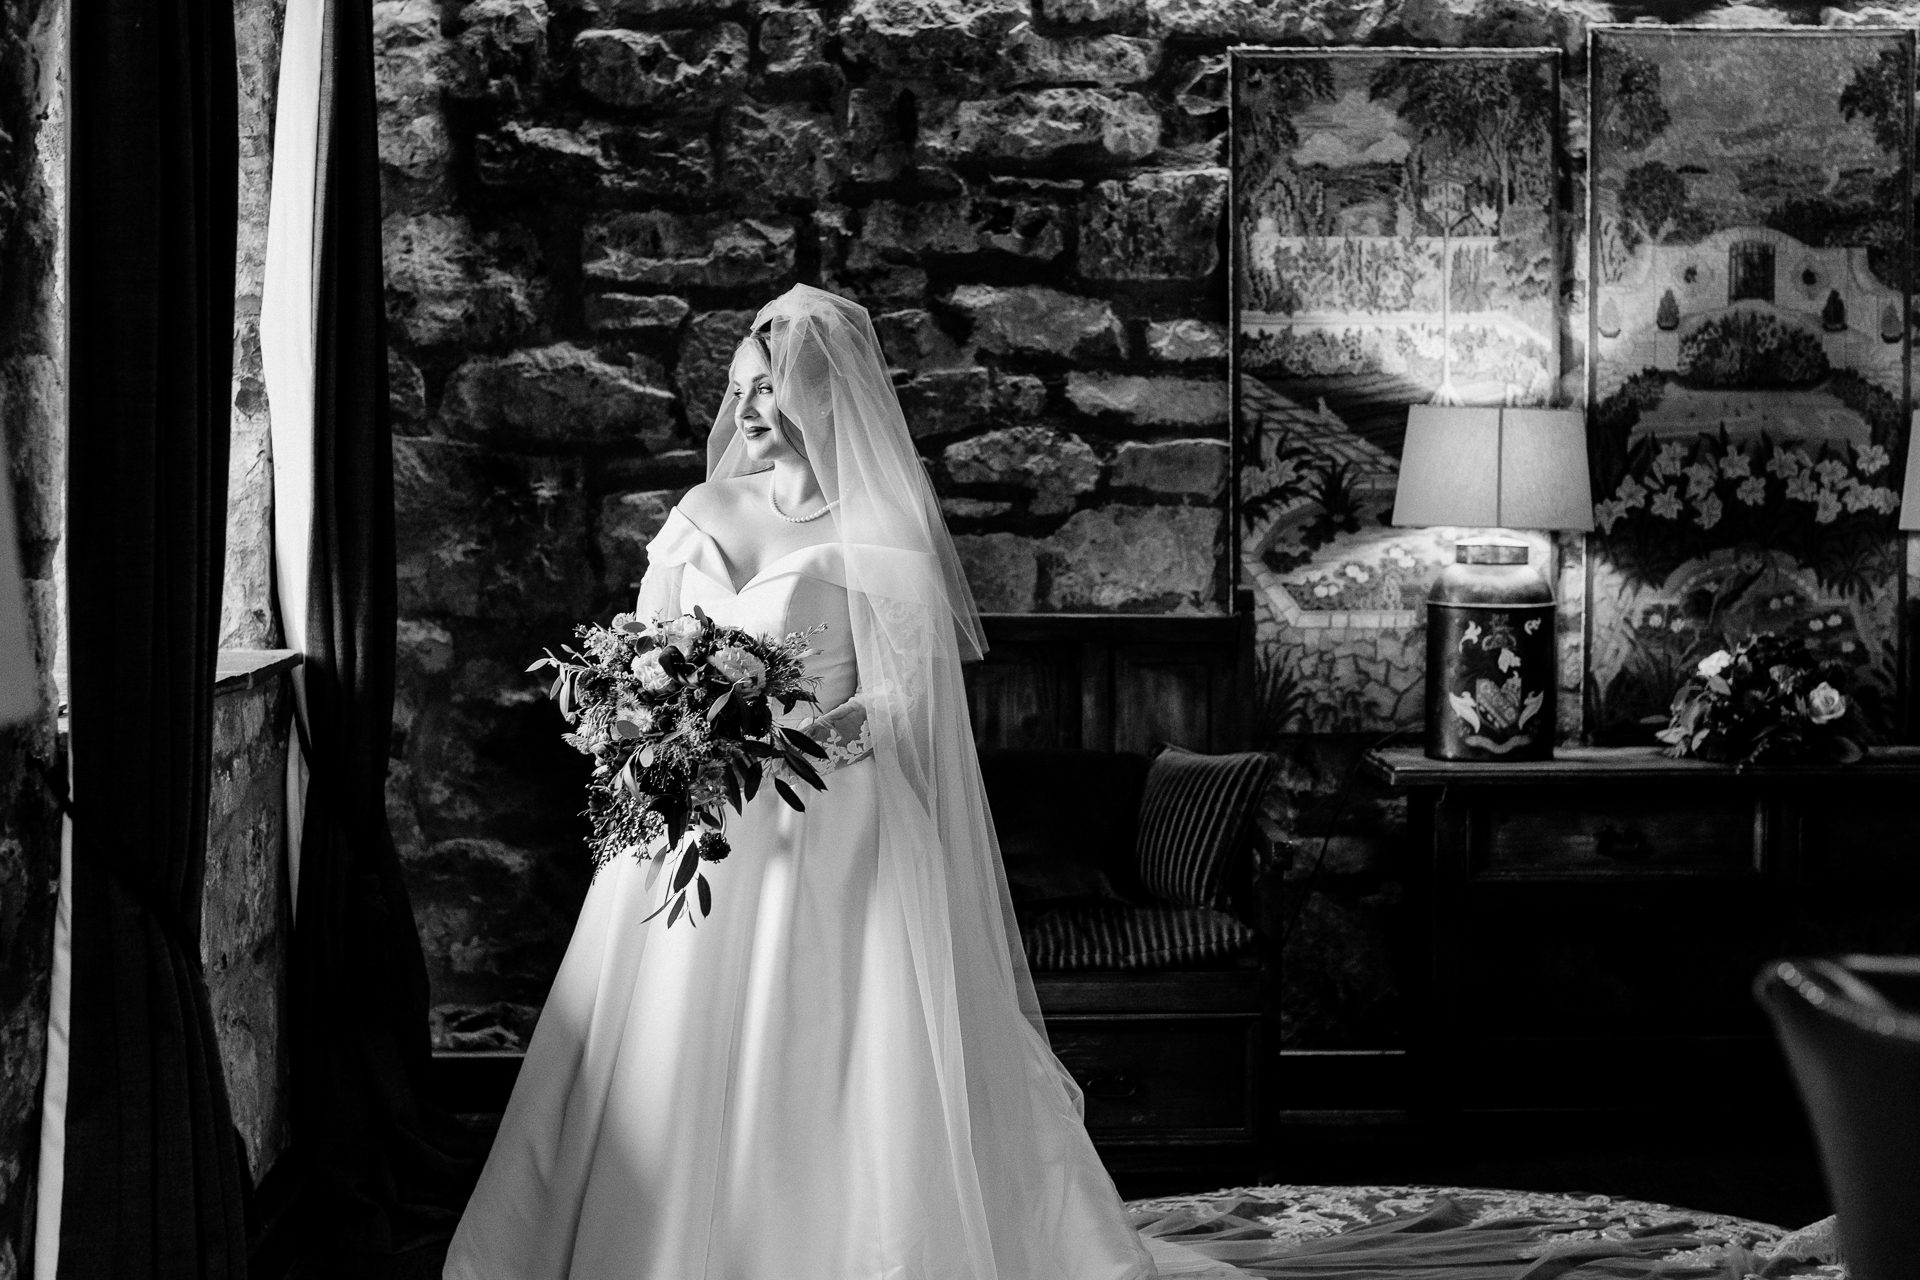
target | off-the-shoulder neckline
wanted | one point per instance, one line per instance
(718, 572)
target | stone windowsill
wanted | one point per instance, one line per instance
(234, 670)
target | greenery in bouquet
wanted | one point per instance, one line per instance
(677, 715)
(1766, 701)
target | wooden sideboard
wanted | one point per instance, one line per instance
(1111, 682)
(1592, 925)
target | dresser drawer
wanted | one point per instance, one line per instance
(1552, 833)
(1851, 835)
(1160, 1074)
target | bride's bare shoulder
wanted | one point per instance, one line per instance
(715, 500)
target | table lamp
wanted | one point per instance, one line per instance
(1491, 661)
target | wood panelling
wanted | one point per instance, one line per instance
(1109, 682)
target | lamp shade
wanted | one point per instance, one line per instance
(1910, 492)
(1494, 468)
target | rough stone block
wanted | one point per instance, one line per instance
(447, 286)
(1181, 402)
(1040, 321)
(413, 65)
(438, 541)
(502, 49)
(1041, 127)
(558, 395)
(945, 402)
(1183, 468)
(537, 158)
(1513, 23)
(1300, 21)
(974, 508)
(793, 41)
(1150, 559)
(406, 392)
(1125, 14)
(916, 39)
(632, 313)
(663, 68)
(1106, 61)
(705, 354)
(1187, 341)
(879, 143)
(1155, 226)
(646, 164)
(400, 23)
(628, 522)
(851, 266)
(1018, 397)
(643, 12)
(1002, 568)
(782, 150)
(1033, 230)
(483, 534)
(1055, 468)
(709, 250)
(913, 339)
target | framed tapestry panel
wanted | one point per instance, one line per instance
(1394, 232)
(1748, 405)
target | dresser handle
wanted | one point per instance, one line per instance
(1110, 1088)
(1622, 844)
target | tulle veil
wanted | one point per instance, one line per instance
(914, 623)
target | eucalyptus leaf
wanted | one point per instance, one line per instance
(804, 742)
(786, 793)
(706, 895)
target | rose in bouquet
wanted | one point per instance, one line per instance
(1766, 701)
(677, 714)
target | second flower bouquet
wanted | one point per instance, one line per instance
(1765, 701)
(677, 714)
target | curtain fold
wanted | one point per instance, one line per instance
(386, 1170)
(153, 1182)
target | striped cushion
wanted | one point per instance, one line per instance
(1195, 817)
(1103, 937)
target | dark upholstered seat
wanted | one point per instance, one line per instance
(1069, 829)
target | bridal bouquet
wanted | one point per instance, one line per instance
(678, 717)
(1767, 701)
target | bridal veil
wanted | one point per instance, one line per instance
(1011, 1113)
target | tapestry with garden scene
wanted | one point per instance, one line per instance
(1749, 356)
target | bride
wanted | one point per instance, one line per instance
(841, 1074)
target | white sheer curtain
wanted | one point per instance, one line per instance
(286, 348)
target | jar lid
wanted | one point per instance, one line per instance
(1490, 551)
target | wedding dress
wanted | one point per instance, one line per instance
(841, 1073)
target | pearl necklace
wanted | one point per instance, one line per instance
(775, 504)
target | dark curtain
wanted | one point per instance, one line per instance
(384, 1170)
(154, 1184)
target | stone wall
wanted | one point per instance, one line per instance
(246, 909)
(585, 204)
(586, 200)
(247, 617)
(32, 403)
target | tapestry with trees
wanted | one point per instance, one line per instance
(1394, 233)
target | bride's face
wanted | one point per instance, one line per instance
(768, 436)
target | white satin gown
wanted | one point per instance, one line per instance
(754, 1098)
